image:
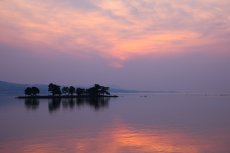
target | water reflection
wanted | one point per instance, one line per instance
(123, 138)
(157, 124)
(32, 103)
(56, 104)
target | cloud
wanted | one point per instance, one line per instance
(116, 30)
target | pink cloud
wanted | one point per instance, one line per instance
(116, 30)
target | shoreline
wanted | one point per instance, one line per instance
(65, 96)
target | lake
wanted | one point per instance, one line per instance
(131, 123)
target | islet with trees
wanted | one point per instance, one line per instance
(56, 91)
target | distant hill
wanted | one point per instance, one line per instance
(8, 88)
(11, 88)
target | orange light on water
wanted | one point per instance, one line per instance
(117, 140)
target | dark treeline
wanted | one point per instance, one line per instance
(58, 91)
(31, 91)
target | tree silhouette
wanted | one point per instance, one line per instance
(54, 89)
(98, 90)
(71, 90)
(28, 91)
(65, 90)
(31, 91)
(104, 90)
(80, 91)
(93, 91)
(35, 91)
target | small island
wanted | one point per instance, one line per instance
(57, 91)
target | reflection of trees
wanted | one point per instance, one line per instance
(96, 103)
(31, 103)
(68, 103)
(54, 104)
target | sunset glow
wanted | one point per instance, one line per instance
(114, 76)
(116, 37)
(120, 140)
(118, 30)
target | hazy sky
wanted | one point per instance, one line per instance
(140, 44)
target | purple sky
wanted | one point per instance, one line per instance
(150, 45)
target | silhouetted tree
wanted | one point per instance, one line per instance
(71, 90)
(35, 91)
(28, 91)
(94, 91)
(80, 91)
(104, 90)
(65, 90)
(98, 90)
(31, 91)
(54, 89)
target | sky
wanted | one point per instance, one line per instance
(133, 44)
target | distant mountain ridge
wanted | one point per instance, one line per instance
(9, 88)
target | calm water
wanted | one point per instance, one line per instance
(128, 124)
